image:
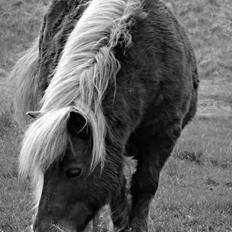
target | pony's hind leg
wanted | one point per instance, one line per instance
(152, 154)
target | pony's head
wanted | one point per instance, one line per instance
(71, 191)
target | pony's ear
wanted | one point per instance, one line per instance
(34, 114)
(78, 126)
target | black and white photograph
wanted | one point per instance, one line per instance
(115, 116)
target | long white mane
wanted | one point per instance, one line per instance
(80, 80)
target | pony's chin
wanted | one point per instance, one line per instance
(51, 228)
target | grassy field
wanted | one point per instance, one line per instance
(195, 191)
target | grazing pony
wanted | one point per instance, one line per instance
(104, 80)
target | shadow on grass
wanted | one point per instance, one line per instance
(195, 157)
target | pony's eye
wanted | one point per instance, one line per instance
(73, 172)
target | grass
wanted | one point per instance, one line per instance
(195, 188)
(195, 191)
(19, 23)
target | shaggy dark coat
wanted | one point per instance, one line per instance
(154, 98)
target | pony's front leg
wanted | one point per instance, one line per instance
(153, 152)
(120, 208)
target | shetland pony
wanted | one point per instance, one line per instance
(105, 79)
